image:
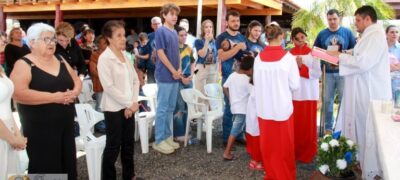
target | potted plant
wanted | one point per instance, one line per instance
(336, 157)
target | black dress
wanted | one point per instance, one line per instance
(12, 53)
(50, 127)
(73, 55)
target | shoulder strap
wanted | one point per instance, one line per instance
(28, 61)
(59, 58)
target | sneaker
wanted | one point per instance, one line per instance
(182, 138)
(163, 147)
(171, 143)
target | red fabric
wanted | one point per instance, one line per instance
(304, 72)
(253, 147)
(272, 53)
(297, 50)
(277, 149)
(305, 130)
(2, 58)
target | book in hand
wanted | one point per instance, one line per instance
(321, 54)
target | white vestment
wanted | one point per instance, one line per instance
(366, 77)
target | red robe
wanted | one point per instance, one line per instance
(277, 137)
(305, 118)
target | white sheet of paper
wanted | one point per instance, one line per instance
(333, 48)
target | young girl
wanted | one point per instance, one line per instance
(305, 98)
(253, 43)
(276, 76)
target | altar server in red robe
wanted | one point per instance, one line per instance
(305, 98)
(276, 76)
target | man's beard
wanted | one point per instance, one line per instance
(232, 29)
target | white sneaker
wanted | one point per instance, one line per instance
(170, 142)
(163, 147)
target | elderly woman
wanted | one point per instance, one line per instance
(45, 89)
(69, 49)
(10, 136)
(119, 102)
(15, 49)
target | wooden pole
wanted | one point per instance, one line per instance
(199, 17)
(3, 17)
(59, 15)
(323, 108)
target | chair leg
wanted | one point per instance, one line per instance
(144, 135)
(199, 128)
(93, 155)
(187, 132)
(136, 131)
(209, 135)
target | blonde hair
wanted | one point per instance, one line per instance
(203, 25)
(65, 29)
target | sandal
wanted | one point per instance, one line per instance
(233, 157)
(256, 166)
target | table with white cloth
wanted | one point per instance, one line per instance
(382, 151)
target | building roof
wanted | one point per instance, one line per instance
(395, 5)
(77, 9)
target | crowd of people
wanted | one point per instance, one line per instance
(270, 93)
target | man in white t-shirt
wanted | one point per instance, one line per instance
(237, 88)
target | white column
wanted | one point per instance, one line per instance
(199, 17)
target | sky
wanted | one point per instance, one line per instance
(304, 3)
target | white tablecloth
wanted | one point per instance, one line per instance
(382, 152)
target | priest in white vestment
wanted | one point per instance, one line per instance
(366, 73)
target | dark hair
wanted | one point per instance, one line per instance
(332, 12)
(110, 26)
(390, 26)
(272, 32)
(101, 37)
(251, 25)
(246, 62)
(365, 11)
(86, 31)
(167, 8)
(232, 13)
(179, 29)
(296, 31)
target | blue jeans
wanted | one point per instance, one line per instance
(227, 119)
(238, 124)
(333, 84)
(180, 113)
(395, 85)
(166, 102)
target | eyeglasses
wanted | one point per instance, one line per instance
(48, 40)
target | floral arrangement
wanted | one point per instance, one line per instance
(336, 155)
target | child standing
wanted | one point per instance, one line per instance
(253, 132)
(168, 73)
(187, 60)
(237, 90)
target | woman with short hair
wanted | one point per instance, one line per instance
(45, 90)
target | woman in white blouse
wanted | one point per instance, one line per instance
(119, 101)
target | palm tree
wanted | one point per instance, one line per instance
(312, 21)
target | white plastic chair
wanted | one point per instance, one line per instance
(190, 96)
(149, 90)
(214, 90)
(94, 146)
(144, 122)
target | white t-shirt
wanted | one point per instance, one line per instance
(239, 91)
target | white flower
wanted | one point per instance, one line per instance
(327, 135)
(334, 143)
(324, 168)
(350, 143)
(325, 146)
(341, 164)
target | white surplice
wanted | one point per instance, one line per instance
(366, 77)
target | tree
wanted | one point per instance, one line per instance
(312, 20)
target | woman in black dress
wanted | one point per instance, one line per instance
(69, 49)
(45, 89)
(15, 49)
